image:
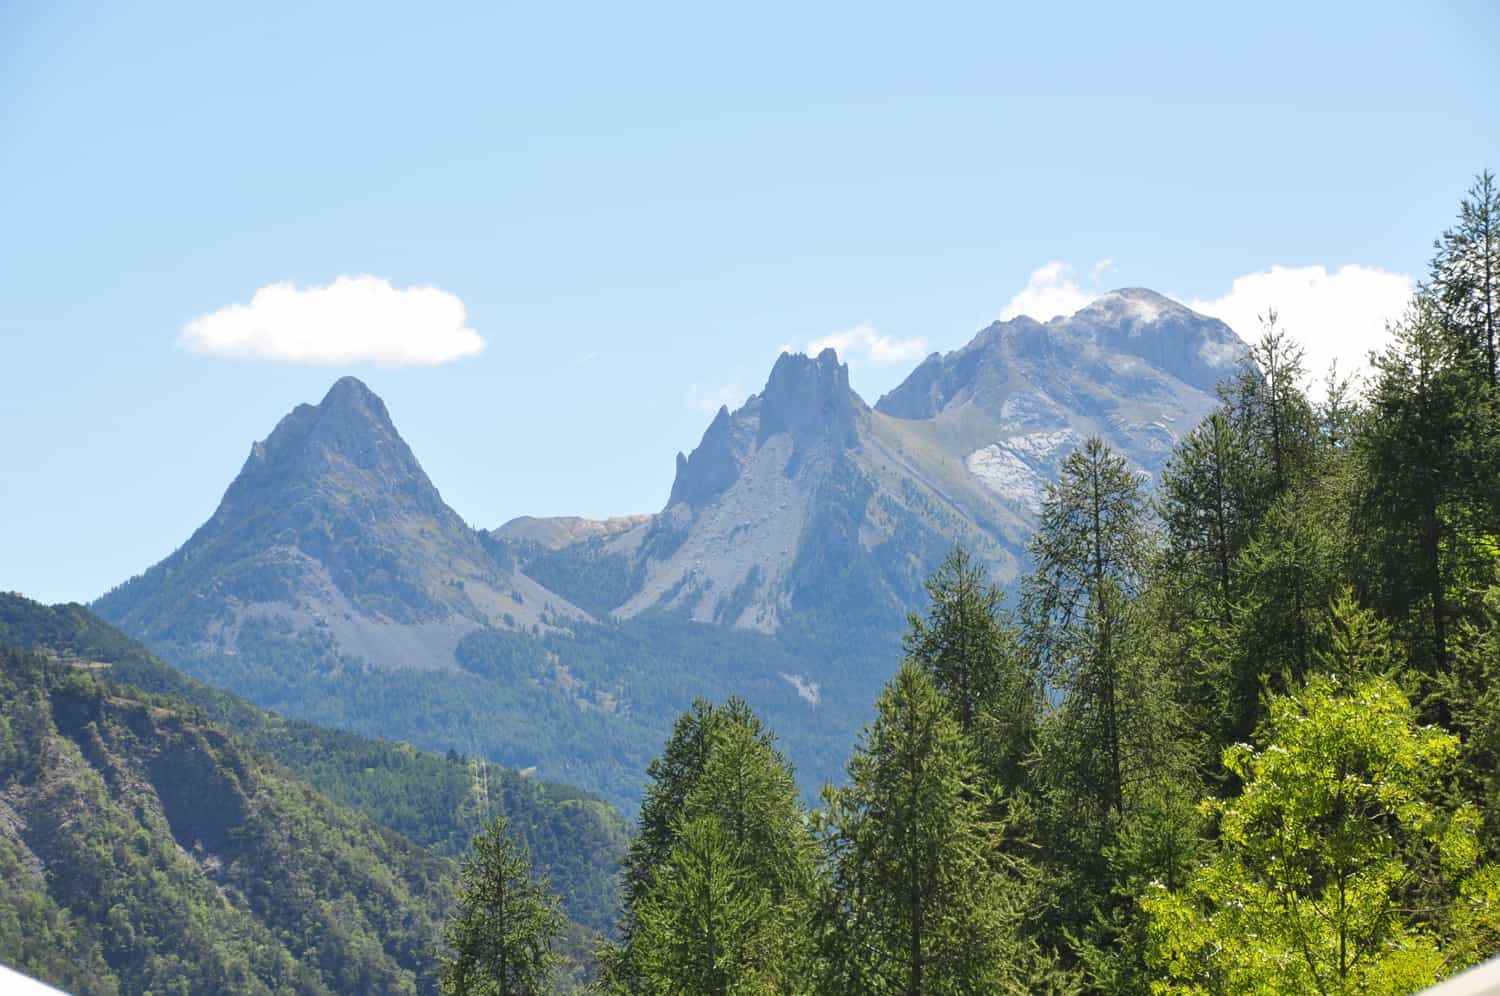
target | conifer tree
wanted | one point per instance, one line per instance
(1267, 404)
(1089, 552)
(1114, 764)
(1202, 506)
(1465, 278)
(499, 940)
(1289, 571)
(1419, 457)
(920, 905)
(723, 842)
(974, 656)
(672, 776)
(705, 926)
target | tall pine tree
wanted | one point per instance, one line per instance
(499, 940)
(920, 905)
(723, 855)
(1465, 278)
(974, 656)
(1418, 465)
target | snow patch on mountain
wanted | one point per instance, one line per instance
(1020, 467)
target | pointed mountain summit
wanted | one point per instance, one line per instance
(803, 498)
(807, 400)
(330, 547)
(341, 450)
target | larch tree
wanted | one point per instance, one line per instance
(973, 654)
(705, 926)
(1267, 404)
(1202, 507)
(1417, 455)
(724, 853)
(1465, 278)
(1089, 554)
(921, 905)
(1114, 768)
(499, 940)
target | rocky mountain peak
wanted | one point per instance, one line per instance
(332, 528)
(346, 443)
(1135, 306)
(1194, 348)
(1101, 342)
(809, 398)
(713, 466)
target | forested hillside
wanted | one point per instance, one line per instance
(146, 851)
(576, 840)
(1241, 735)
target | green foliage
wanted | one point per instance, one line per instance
(1289, 571)
(975, 658)
(1319, 860)
(705, 926)
(719, 878)
(575, 839)
(922, 900)
(594, 581)
(1091, 535)
(1270, 416)
(40, 937)
(184, 862)
(1202, 503)
(1466, 275)
(1473, 689)
(1425, 451)
(499, 940)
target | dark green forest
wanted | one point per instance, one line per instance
(617, 705)
(159, 835)
(437, 801)
(1237, 733)
(147, 851)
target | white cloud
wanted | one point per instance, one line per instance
(711, 397)
(1051, 291)
(1339, 314)
(863, 343)
(353, 319)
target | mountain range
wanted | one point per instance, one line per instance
(333, 583)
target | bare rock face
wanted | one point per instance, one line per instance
(810, 401)
(1133, 367)
(805, 497)
(331, 544)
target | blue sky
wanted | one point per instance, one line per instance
(637, 206)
